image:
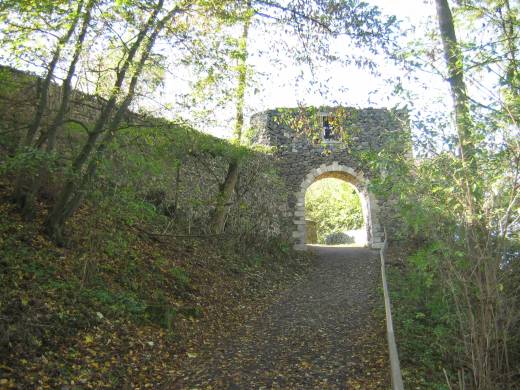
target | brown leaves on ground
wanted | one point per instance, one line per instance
(116, 309)
(320, 334)
(371, 367)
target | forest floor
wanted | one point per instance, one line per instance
(116, 309)
(321, 334)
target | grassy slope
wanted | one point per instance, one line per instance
(116, 308)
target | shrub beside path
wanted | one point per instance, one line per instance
(323, 333)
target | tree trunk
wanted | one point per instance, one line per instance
(509, 23)
(74, 191)
(463, 123)
(480, 277)
(173, 212)
(242, 78)
(41, 106)
(49, 135)
(228, 187)
(66, 89)
(224, 197)
(44, 92)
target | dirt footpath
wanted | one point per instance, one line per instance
(321, 334)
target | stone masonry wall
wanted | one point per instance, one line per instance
(189, 181)
(19, 94)
(303, 157)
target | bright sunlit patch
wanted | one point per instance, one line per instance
(333, 214)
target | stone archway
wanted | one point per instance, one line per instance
(368, 202)
(301, 160)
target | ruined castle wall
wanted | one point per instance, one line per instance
(303, 157)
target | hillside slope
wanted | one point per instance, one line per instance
(117, 307)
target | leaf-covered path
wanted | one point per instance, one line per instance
(321, 334)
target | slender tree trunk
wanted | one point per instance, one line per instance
(42, 104)
(479, 278)
(173, 213)
(74, 191)
(509, 24)
(242, 78)
(463, 123)
(44, 92)
(228, 187)
(225, 193)
(504, 319)
(49, 135)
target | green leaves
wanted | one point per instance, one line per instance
(29, 160)
(334, 205)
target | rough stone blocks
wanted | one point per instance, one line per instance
(302, 161)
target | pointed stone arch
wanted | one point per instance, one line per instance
(357, 179)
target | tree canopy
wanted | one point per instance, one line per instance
(116, 89)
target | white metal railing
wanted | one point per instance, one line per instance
(395, 368)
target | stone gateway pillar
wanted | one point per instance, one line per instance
(311, 144)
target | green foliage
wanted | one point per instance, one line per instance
(338, 238)
(438, 293)
(343, 121)
(424, 319)
(180, 275)
(12, 79)
(30, 161)
(132, 292)
(334, 205)
(115, 303)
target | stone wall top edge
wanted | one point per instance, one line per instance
(278, 110)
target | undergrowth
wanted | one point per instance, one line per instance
(116, 307)
(424, 319)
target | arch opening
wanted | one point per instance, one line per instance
(372, 234)
(334, 214)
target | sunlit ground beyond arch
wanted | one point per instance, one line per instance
(334, 214)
